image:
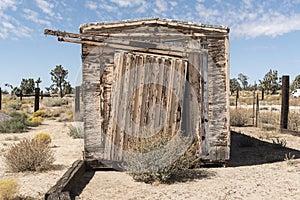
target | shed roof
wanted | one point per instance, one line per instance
(154, 21)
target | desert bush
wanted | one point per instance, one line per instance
(238, 117)
(17, 124)
(29, 155)
(294, 121)
(40, 113)
(13, 105)
(75, 131)
(9, 189)
(149, 161)
(52, 102)
(36, 120)
(43, 137)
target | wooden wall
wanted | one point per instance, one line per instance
(213, 86)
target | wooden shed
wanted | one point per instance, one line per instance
(148, 76)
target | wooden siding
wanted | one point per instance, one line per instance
(212, 84)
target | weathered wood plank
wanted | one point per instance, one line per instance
(63, 188)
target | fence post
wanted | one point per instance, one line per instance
(257, 110)
(0, 98)
(42, 94)
(285, 102)
(77, 99)
(37, 99)
(262, 94)
(21, 95)
(253, 108)
(236, 98)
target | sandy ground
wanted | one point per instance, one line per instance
(66, 151)
(251, 174)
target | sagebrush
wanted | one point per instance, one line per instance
(75, 131)
(9, 189)
(29, 155)
(18, 123)
(158, 159)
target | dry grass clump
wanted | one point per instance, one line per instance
(55, 101)
(9, 189)
(239, 117)
(29, 155)
(294, 121)
(43, 137)
(158, 159)
(75, 131)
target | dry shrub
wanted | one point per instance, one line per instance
(55, 101)
(36, 120)
(43, 137)
(9, 189)
(29, 155)
(40, 113)
(239, 117)
(294, 121)
(158, 159)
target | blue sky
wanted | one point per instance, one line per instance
(264, 35)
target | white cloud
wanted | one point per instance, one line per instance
(4, 4)
(91, 5)
(161, 6)
(127, 3)
(34, 16)
(269, 25)
(10, 27)
(173, 3)
(46, 7)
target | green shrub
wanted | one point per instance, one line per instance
(29, 155)
(17, 124)
(9, 189)
(238, 118)
(43, 137)
(149, 161)
(75, 132)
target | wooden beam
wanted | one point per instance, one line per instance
(169, 51)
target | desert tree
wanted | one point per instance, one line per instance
(243, 80)
(234, 85)
(296, 83)
(270, 82)
(58, 77)
(27, 86)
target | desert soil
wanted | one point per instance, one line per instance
(251, 174)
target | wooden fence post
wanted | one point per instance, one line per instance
(21, 95)
(257, 110)
(253, 108)
(0, 98)
(37, 99)
(285, 102)
(77, 99)
(236, 98)
(42, 94)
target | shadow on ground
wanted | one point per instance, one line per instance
(247, 151)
